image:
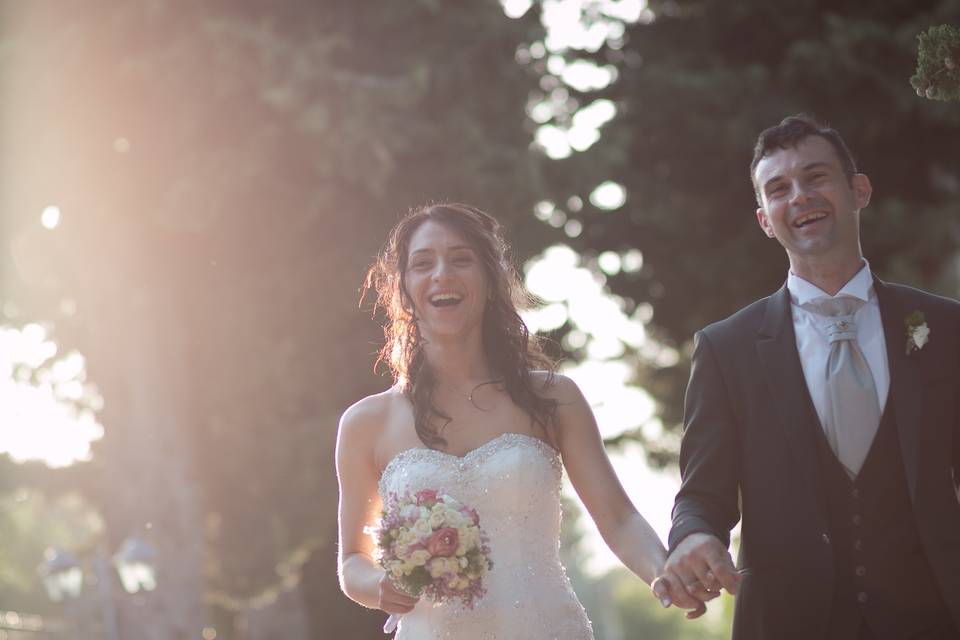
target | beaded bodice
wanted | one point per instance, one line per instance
(513, 481)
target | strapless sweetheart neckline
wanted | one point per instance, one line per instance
(547, 450)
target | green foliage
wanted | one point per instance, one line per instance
(643, 617)
(29, 524)
(226, 171)
(696, 86)
(938, 63)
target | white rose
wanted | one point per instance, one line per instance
(470, 537)
(450, 501)
(921, 335)
(406, 538)
(419, 557)
(437, 567)
(422, 527)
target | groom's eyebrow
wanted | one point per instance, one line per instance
(808, 167)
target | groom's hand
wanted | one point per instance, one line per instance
(702, 566)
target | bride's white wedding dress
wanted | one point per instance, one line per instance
(513, 481)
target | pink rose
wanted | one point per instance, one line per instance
(443, 542)
(426, 495)
(472, 514)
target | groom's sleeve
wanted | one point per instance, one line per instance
(956, 424)
(709, 453)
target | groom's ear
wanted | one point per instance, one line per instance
(764, 222)
(862, 189)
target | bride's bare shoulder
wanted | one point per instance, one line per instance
(365, 420)
(556, 386)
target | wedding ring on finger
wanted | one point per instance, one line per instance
(698, 586)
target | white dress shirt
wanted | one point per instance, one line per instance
(814, 346)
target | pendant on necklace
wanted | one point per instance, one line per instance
(482, 384)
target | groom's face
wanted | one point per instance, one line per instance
(807, 202)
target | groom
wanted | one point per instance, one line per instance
(827, 416)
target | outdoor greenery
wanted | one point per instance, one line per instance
(938, 64)
(696, 86)
(226, 171)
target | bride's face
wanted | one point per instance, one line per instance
(445, 281)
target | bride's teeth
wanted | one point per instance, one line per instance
(443, 298)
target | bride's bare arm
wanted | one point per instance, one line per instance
(622, 527)
(361, 579)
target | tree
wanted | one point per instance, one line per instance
(225, 171)
(938, 63)
(697, 82)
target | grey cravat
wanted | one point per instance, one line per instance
(853, 410)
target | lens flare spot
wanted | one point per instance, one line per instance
(50, 218)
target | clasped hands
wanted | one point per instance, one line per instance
(694, 574)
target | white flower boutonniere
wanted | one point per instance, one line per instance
(918, 333)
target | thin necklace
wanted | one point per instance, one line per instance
(482, 384)
(471, 400)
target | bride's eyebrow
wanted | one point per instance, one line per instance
(451, 249)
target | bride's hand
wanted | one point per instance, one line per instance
(668, 592)
(393, 600)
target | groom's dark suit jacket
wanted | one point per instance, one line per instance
(750, 450)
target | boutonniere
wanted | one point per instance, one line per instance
(918, 333)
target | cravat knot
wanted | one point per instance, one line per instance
(840, 311)
(841, 328)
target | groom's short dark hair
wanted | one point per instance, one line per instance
(789, 133)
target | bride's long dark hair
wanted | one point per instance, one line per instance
(508, 346)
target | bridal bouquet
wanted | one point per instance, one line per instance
(431, 545)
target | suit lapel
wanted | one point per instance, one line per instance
(904, 382)
(777, 350)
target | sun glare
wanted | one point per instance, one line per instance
(50, 217)
(47, 409)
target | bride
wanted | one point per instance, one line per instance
(476, 410)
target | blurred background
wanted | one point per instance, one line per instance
(190, 193)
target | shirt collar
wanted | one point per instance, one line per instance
(859, 286)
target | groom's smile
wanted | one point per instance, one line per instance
(809, 218)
